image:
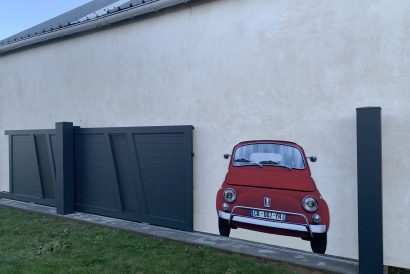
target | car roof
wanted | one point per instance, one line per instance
(268, 141)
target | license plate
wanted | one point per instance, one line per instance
(267, 215)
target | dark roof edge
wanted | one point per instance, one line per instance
(90, 24)
(61, 20)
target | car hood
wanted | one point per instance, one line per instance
(268, 177)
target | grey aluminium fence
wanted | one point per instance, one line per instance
(142, 174)
(32, 166)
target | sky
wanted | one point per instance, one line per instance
(18, 15)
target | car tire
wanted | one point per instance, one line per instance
(318, 243)
(224, 228)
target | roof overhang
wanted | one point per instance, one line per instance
(91, 23)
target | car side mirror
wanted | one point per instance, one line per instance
(312, 158)
(227, 155)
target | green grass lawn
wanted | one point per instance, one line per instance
(33, 243)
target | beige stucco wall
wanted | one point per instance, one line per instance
(238, 70)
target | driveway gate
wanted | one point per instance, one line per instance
(142, 174)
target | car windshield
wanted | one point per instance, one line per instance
(269, 154)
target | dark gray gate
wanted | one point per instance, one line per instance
(31, 166)
(141, 174)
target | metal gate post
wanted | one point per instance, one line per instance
(64, 164)
(369, 190)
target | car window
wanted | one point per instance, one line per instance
(269, 154)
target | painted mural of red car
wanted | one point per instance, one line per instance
(269, 188)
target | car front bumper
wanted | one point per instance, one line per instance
(273, 224)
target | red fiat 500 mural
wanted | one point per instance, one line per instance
(269, 188)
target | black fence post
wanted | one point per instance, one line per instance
(64, 189)
(369, 190)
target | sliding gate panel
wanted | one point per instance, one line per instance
(139, 173)
(95, 179)
(164, 173)
(32, 167)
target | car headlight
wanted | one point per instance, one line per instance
(229, 195)
(309, 204)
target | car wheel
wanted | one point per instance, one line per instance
(224, 228)
(318, 243)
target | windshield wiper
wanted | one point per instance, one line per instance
(270, 162)
(242, 160)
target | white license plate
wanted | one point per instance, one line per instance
(267, 215)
